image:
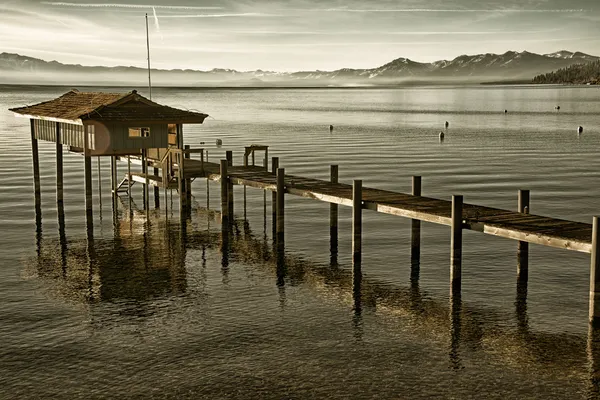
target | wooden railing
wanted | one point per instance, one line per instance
(176, 157)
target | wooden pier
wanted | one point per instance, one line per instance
(519, 225)
(133, 129)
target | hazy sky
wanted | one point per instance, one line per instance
(292, 35)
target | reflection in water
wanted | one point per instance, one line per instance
(357, 321)
(455, 314)
(146, 261)
(140, 262)
(521, 305)
(593, 353)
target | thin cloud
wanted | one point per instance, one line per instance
(399, 33)
(419, 43)
(114, 5)
(440, 10)
(220, 15)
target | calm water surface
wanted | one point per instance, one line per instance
(150, 310)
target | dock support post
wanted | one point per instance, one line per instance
(145, 185)
(88, 184)
(274, 166)
(415, 237)
(188, 183)
(229, 157)
(280, 206)
(157, 191)
(333, 212)
(224, 193)
(114, 177)
(59, 166)
(36, 169)
(129, 182)
(87, 166)
(357, 221)
(456, 242)
(594, 314)
(523, 247)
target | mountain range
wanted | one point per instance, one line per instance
(510, 66)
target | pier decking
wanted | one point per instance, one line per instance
(530, 228)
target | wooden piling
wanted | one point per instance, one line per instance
(87, 166)
(146, 184)
(229, 157)
(129, 181)
(156, 191)
(456, 242)
(274, 166)
(280, 204)
(224, 191)
(188, 182)
(357, 221)
(594, 313)
(36, 168)
(333, 208)
(523, 247)
(266, 160)
(59, 166)
(415, 237)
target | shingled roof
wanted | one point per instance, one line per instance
(76, 107)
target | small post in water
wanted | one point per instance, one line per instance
(415, 238)
(224, 192)
(594, 314)
(523, 247)
(280, 205)
(456, 242)
(333, 211)
(357, 221)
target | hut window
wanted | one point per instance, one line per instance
(139, 132)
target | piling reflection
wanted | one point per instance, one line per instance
(593, 354)
(455, 316)
(521, 306)
(357, 321)
(144, 261)
(139, 262)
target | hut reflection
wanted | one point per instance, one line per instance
(140, 262)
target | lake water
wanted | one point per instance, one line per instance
(139, 310)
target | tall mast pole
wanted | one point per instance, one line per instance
(148, 47)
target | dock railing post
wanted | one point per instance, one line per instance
(523, 247)
(357, 221)
(224, 193)
(37, 188)
(280, 206)
(415, 237)
(266, 160)
(456, 242)
(594, 313)
(59, 166)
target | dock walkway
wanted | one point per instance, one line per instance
(553, 232)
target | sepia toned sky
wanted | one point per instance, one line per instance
(292, 35)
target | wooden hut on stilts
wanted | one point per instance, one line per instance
(122, 126)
